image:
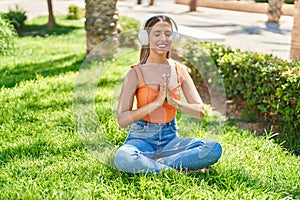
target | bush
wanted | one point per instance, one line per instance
(128, 23)
(7, 35)
(16, 17)
(74, 12)
(289, 1)
(265, 84)
(266, 1)
(261, 1)
(129, 31)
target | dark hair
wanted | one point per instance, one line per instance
(145, 50)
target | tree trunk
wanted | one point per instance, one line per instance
(51, 20)
(274, 11)
(193, 5)
(101, 27)
(151, 3)
(295, 43)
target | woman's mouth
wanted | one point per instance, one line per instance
(162, 46)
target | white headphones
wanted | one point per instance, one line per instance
(143, 34)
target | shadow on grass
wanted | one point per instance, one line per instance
(35, 150)
(29, 71)
(247, 180)
(228, 181)
(43, 31)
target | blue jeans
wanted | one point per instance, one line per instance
(152, 147)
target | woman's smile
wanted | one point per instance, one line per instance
(162, 46)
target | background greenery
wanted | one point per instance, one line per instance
(16, 17)
(266, 1)
(261, 83)
(7, 37)
(42, 157)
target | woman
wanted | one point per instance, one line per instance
(153, 143)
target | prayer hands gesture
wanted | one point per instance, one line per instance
(165, 93)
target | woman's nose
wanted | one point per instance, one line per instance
(164, 37)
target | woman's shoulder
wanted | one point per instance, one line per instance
(132, 67)
(132, 71)
(176, 63)
(135, 67)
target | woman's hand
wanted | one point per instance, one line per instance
(162, 90)
(173, 102)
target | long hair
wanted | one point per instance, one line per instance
(145, 50)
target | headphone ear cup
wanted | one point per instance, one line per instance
(175, 37)
(143, 37)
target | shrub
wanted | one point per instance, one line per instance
(128, 23)
(261, 1)
(265, 84)
(7, 35)
(266, 1)
(289, 1)
(75, 12)
(16, 17)
(129, 29)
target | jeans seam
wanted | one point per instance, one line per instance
(181, 148)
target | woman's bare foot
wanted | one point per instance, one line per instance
(196, 171)
(207, 169)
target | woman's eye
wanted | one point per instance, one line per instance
(159, 34)
(168, 34)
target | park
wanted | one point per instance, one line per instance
(42, 153)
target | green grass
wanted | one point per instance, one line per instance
(42, 157)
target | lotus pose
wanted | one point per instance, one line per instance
(153, 143)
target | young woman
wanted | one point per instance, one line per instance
(153, 143)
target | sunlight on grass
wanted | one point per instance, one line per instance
(42, 156)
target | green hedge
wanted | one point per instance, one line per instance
(16, 17)
(75, 12)
(129, 28)
(289, 1)
(265, 84)
(261, 1)
(266, 1)
(7, 37)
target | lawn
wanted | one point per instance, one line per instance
(43, 157)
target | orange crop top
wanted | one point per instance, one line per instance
(146, 94)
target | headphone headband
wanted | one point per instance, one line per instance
(143, 34)
(142, 27)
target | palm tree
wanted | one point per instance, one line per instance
(295, 44)
(51, 20)
(193, 5)
(101, 23)
(274, 10)
(151, 2)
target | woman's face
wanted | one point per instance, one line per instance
(160, 38)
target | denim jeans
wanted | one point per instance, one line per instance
(152, 147)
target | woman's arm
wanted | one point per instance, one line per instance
(126, 115)
(194, 105)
